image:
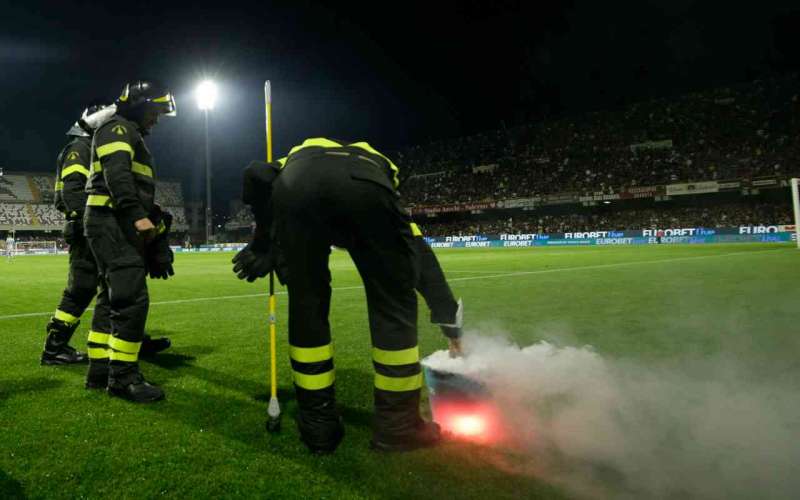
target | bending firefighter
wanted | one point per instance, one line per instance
(344, 194)
(72, 171)
(127, 233)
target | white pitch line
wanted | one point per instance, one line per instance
(467, 278)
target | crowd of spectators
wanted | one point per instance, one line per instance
(44, 184)
(727, 215)
(747, 131)
(26, 201)
(47, 215)
(14, 214)
(241, 219)
(169, 194)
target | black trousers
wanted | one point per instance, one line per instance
(325, 199)
(122, 281)
(82, 283)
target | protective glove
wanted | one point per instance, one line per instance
(159, 255)
(252, 262)
(73, 230)
(159, 264)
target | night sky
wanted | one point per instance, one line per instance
(392, 73)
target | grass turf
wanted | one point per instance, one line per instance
(208, 438)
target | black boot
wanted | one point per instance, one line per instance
(97, 375)
(424, 435)
(151, 346)
(325, 439)
(319, 422)
(57, 350)
(127, 382)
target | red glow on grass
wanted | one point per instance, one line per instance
(472, 422)
(469, 425)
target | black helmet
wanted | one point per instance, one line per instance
(85, 127)
(140, 95)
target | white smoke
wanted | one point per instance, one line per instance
(609, 428)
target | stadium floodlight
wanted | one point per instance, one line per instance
(206, 95)
(796, 204)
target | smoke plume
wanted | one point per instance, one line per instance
(609, 428)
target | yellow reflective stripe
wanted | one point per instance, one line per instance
(59, 186)
(98, 352)
(123, 345)
(165, 98)
(113, 147)
(311, 354)
(75, 169)
(98, 337)
(316, 141)
(141, 169)
(395, 358)
(398, 384)
(282, 161)
(123, 356)
(65, 317)
(327, 143)
(314, 382)
(415, 231)
(99, 200)
(395, 171)
(96, 167)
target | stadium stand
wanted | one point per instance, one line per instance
(26, 203)
(740, 140)
(242, 219)
(725, 215)
(749, 131)
(15, 188)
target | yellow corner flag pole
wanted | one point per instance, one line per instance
(274, 408)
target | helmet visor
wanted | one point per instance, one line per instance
(166, 104)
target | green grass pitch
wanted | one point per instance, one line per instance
(208, 438)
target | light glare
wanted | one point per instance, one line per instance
(469, 425)
(206, 95)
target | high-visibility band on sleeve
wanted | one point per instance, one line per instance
(75, 169)
(396, 358)
(123, 345)
(97, 167)
(398, 384)
(282, 162)
(113, 147)
(59, 186)
(141, 169)
(314, 382)
(99, 200)
(98, 352)
(415, 230)
(98, 337)
(311, 354)
(65, 317)
(123, 356)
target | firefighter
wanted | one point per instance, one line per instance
(344, 194)
(70, 199)
(127, 233)
(72, 170)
